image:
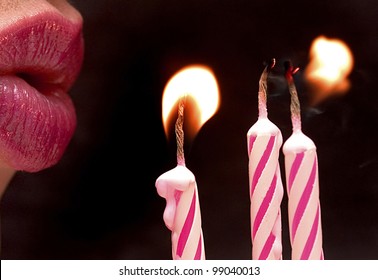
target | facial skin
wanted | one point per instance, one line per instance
(41, 53)
(13, 10)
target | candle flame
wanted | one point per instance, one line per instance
(198, 84)
(331, 61)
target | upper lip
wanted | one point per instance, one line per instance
(40, 59)
(44, 49)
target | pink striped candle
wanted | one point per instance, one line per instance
(264, 141)
(301, 167)
(182, 213)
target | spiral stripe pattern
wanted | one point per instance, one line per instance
(266, 192)
(303, 204)
(190, 234)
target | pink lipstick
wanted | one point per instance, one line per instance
(40, 59)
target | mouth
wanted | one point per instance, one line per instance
(40, 59)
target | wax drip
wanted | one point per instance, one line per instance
(295, 108)
(180, 131)
(263, 85)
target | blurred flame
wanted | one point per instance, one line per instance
(331, 61)
(197, 82)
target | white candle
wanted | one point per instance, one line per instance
(182, 213)
(301, 167)
(264, 141)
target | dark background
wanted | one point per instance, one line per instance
(100, 201)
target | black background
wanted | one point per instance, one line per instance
(100, 200)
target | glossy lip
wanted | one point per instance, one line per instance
(40, 59)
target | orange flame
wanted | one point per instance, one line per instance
(331, 61)
(198, 83)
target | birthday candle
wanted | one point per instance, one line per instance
(301, 168)
(182, 212)
(264, 140)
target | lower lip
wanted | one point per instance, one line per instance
(35, 129)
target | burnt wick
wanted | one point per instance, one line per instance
(180, 131)
(295, 108)
(263, 86)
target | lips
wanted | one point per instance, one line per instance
(40, 59)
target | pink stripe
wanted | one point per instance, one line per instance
(311, 238)
(261, 165)
(267, 247)
(183, 238)
(199, 249)
(264, 206)
(294, 169)
(251, 142)
(304, 199)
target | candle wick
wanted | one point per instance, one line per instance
(294, 104)
(263, 86)
(180, 131)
